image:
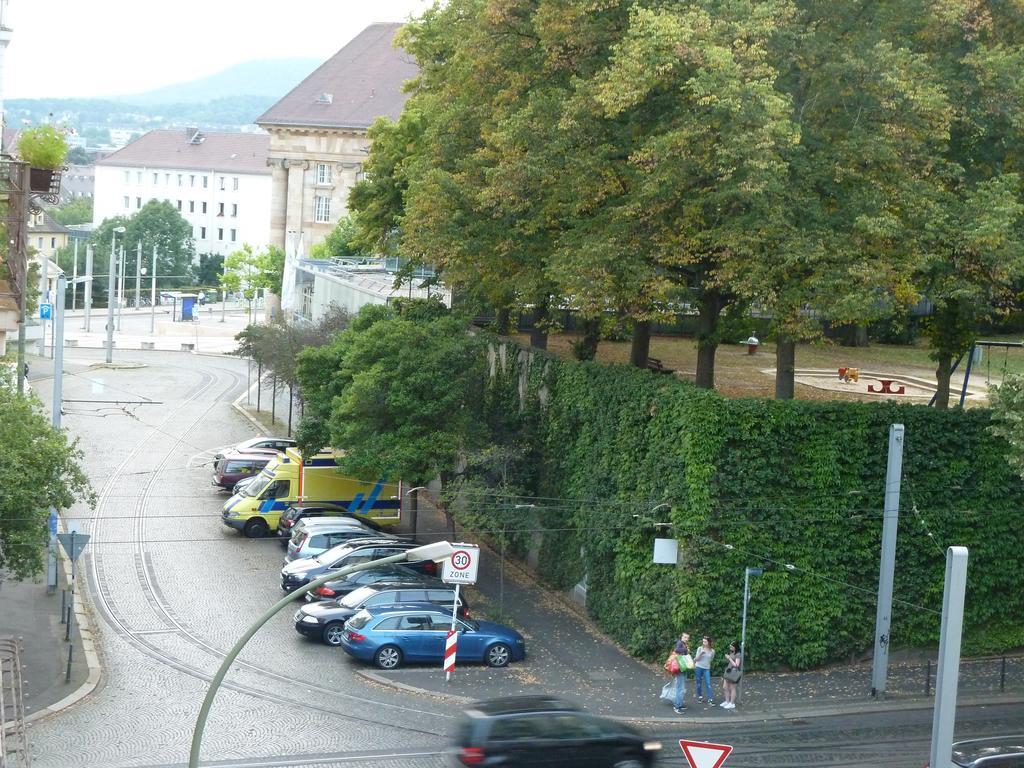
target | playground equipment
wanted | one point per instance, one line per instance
(849, 374)
(975, 354)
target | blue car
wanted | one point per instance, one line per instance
(393, 634)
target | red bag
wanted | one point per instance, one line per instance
(672, 665)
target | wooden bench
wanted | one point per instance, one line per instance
(654, 364)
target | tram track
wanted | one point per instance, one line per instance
(143, 640)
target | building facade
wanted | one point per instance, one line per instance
(45, 236)
(219, 183)
(318, 140)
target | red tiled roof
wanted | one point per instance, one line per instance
(361, 82)
(228, 152)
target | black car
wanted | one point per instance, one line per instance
(300, 572)
(291, 516)
(542, 730)
(393, 573)
(324, 620)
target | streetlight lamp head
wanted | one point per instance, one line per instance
(790, 567)
(439, 550)
(526, 506)
(119, 230)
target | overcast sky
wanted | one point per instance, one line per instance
(87, 48)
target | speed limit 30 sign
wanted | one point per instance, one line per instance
(461, 568)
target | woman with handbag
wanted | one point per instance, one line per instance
(732, 675)
(676, 666)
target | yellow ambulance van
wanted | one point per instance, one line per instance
(287, 480)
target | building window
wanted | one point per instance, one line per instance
(179, 205)
(220, 209)
(222, 186)
(138, 177)
(156, 178)
(204, 206)
(180, 177)
(234, 235)
(202, 233)
(138, 202)
(127, 202)
(206, 182)
(167, 179)
(192, 180)
(191, 206)
(234, 183)
(53, 242)
(323, 209)
(39, 242)
(234, 210)
(323, 173)
(127, 177)
(220, 234)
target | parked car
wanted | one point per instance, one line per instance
(299, 572)
(232, 467)
(324, 620)
(291, 516)
(241, 484)
(542, 730)
(317, 535)
(335, 590)
(261, 444)
(390, 636)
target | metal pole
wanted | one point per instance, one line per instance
(74, 275)
(259, 384)
(111, 267)
(120, 287)
(291, 399)
(218, 678)
(71, 611)
(88, 288)
(55, 414)
(43, 293)
(273, 400)
(152, 297)
(948, 673)
(887, 567)
(967, 374)
(138, 276)
(743, 627)
(22, 255)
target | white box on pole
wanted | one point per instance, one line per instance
(462, 566)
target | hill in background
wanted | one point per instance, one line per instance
(269, 78)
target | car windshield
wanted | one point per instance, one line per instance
(255, 488)
(353, 599)
(468, 624)
(359, 620)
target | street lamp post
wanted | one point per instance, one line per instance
(152, 296)
(438, 552)
(747, 573)
(110, 293)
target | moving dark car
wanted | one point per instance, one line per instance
(324, 620)
(543, 730)
(300, 572)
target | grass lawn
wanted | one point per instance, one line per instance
(738, 374)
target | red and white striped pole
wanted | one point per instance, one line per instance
(452, 640)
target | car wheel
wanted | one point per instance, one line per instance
(629, 762)
(498, 655)
(256, 528)
(333, 632)
(388, 657)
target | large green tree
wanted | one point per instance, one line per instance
(41, 469)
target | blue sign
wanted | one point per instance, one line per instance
(45, 311)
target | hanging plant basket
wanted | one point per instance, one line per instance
(44, 181)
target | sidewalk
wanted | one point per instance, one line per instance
(568, 657)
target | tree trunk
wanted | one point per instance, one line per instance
(942, 375)
(860, 336)
(709, 310)
(501, 322)
(539, 333)
(785, 368)
(586, 347)
(641, 347)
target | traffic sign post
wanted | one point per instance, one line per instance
(461, 568)
(73, 543)
(704, 754)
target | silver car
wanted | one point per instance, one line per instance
(316, 535)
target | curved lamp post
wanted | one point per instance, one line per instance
(110, 293)
(438, 552)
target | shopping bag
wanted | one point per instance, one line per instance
(688, 661)
(667, 692)
(672, 665)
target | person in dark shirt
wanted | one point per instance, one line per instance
(679, 694)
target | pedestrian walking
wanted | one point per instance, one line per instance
(702, 669)
(731, 676)
(677, 666)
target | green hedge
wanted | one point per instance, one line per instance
(779, 482)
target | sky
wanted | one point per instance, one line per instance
(93, 48)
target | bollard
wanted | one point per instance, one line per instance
(928, 679)
(67, 626)
(63, 605)
(1002, 676)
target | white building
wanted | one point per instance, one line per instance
(219, 182)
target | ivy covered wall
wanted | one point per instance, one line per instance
(761, 483)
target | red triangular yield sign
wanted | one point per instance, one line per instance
(704, 754)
